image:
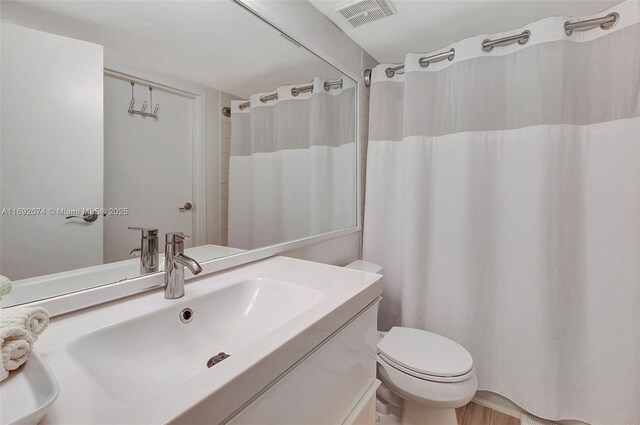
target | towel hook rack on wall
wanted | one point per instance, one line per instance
(143, 111)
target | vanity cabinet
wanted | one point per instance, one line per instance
(301, 339)
(334, 384)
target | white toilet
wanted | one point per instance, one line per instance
(424, 374)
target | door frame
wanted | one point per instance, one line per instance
(198, 96)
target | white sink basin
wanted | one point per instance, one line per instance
(139, 358)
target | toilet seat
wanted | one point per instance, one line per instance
(423, 376)
(425, 355)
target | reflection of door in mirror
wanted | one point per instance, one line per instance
(49, 161)
(147, 165)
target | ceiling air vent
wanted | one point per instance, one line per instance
(360, 12)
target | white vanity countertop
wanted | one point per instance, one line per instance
(217, 392)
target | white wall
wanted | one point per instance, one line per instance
(51, 150)
(312, 29)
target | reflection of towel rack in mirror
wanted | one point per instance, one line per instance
(142, 111)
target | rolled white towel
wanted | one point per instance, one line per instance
(15, 345)
(34, 319)
(5, 286)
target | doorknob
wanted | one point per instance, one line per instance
(88, 217)
(187, 207)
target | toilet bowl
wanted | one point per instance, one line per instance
(431, 374)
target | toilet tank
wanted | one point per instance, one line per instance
(366, 266)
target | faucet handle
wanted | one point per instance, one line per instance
(146, 231)
(175, 237)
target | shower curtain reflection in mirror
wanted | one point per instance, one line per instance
(291, 171)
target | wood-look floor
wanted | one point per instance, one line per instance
(474, 414)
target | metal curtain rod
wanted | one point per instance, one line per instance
(424, 62)
(328, 85)
(268, 97)
(605, 22)
(522, 38)
(295, 91)
(393, 70)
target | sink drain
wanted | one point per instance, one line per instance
(217, 359)
(186, 315)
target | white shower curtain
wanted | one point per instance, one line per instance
(503, 200)
(292, 165)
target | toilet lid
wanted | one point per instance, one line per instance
(425, 353)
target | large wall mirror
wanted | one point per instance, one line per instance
(122, 121)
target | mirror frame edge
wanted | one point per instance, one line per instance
(114, 291)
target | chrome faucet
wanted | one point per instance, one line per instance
(148, 250)
(174, 263)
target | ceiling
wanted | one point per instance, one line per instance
(425, 25)
(214, 43)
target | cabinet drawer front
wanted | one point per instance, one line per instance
(326, 386)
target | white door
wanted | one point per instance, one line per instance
(147, 165)
(51, 151)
